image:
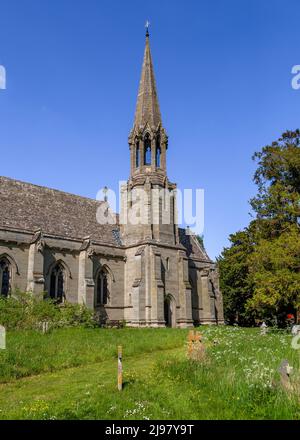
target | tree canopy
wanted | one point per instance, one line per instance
(260, 270)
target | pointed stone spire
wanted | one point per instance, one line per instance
(147, 107)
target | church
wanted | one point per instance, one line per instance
(151, 274)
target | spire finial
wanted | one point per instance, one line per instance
(147, 28)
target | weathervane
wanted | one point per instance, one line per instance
(147, 27)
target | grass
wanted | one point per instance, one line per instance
(71, 374)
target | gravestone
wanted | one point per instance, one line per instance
(296, 330)
(196, 348)
(2, 338)
(263, 328)
(285, 371)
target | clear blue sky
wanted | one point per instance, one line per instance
(223, 71)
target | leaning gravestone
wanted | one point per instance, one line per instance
(2, 338)
(285, 371)
(196, 348)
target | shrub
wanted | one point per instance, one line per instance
(28, 311)
(75, 315)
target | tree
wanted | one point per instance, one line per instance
(274, 271)
(260, 271)
(234, 277)
(277, 204)
(200, 239)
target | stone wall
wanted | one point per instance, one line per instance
(141, 277)
(33, 256)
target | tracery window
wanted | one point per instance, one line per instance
(102, 288)
(158, 154)
(57, 282)
(4, 277)
(137, 155)
(168, 264)
(147, 152)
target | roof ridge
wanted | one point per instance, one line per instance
(28, 207)
(50, 189)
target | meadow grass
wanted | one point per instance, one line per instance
(71, 374)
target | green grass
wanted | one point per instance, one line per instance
(71, 374)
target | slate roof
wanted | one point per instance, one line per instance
(192, 245)
(30, 207)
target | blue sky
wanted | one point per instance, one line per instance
(223, 71)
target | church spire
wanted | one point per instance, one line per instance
(148, 140)
(147, 107)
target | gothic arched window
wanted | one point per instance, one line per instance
(168, 264)
(157, 152)
(102, 292)
(4, 277)
(137, 155)
(147, 153)
(57, 281)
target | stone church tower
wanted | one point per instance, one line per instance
(143, 269)
(158, 277)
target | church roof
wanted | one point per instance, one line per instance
(192, 245)
(30, 207)
(147, 107)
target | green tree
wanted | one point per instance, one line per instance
(274, 272)
(235, 282)
(200, 239)
(277, 204)
(260, 271)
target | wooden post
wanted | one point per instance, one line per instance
(120, 369)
